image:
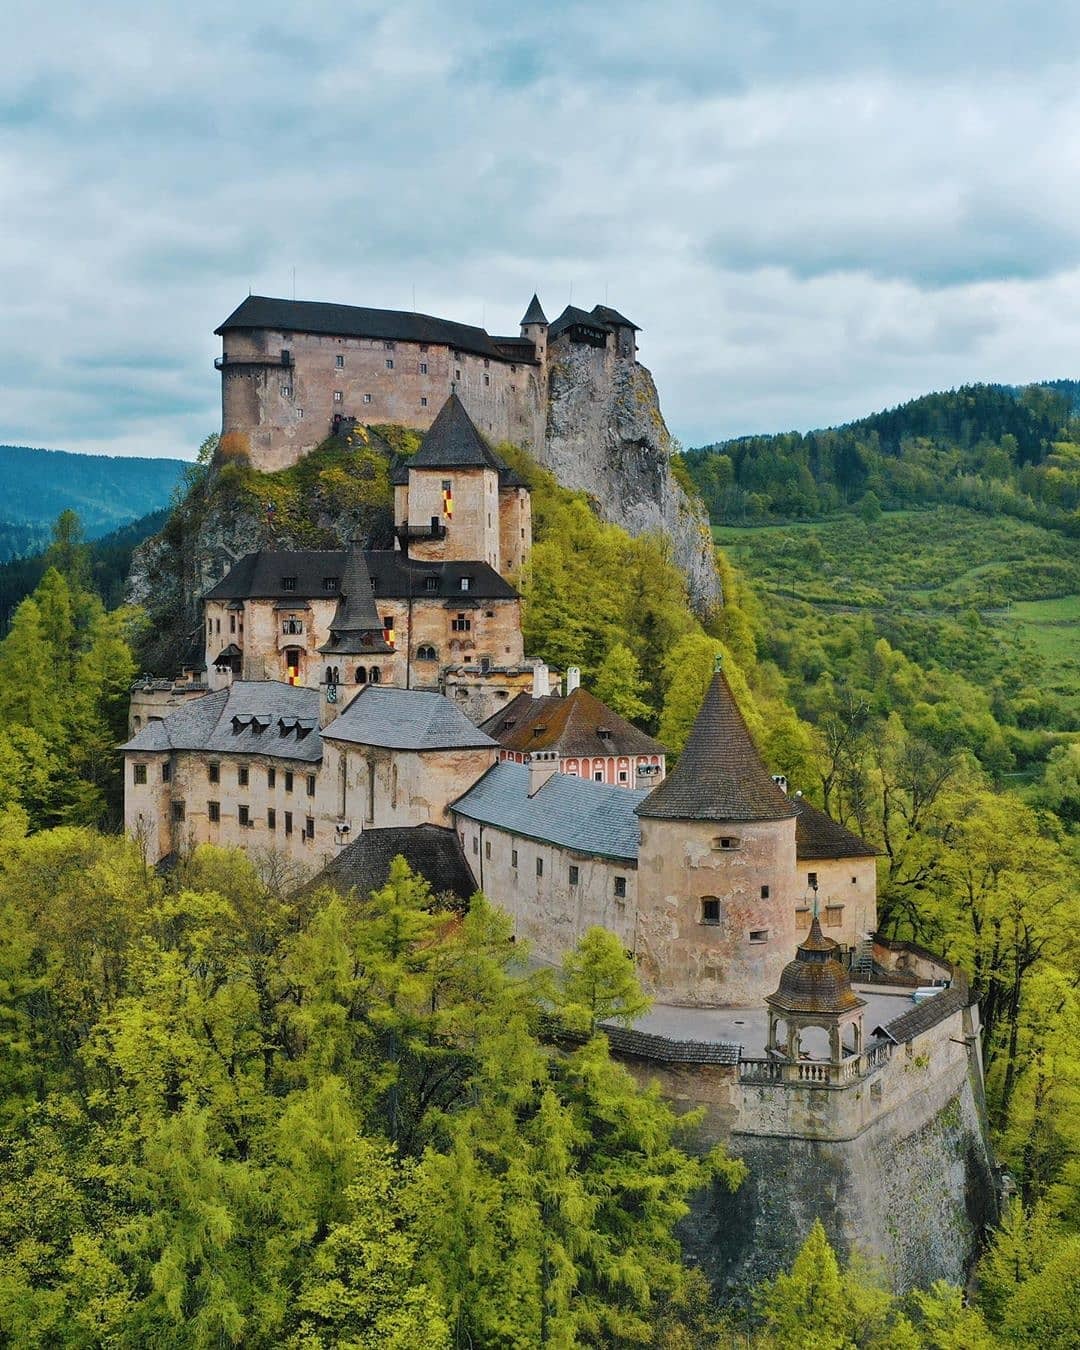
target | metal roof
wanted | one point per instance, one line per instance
(394, 576)
(405, 719)
(571, 812)
(251, 717)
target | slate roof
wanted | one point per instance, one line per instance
(453, 442)
(586, 817)
(258, 576)
(251, 717)
(357, 627)
(405, 719)
(535, 312)
(815, 982)
(719, 775)
(314, 316)
(570, 316)
(647, 1045)
(817, 835)
(612, 317)
(568, 725)
(923, 1016)
(433, 852)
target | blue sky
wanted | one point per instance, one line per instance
(812, 209)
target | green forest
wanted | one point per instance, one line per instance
(235, 1111)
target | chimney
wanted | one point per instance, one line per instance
(542, 766)
(541, 682)
(573, 678)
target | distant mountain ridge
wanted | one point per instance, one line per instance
(106, 491)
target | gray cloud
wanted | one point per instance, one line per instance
(811, 210)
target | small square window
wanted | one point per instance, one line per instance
(710, 910)
(339, 362)
(338, 396)
(764, 892)
(811, 878)
(178, 812)
(286, 391)
(213, 812)
(139, 773)
(623, 776)
(271, 818)
(423, 403)
(465, 583)
(759, 935)
(288, 583)
(854, 881)
(389, 363)
(242, 776)
(574, 874)
(620, 888)
(311, 785)
(598, 776)
(513, 857)
(288, 780)
(457, 374)
(367, 398)
(423, 367)
(299, 414)
(724, 842)
(539, 867)
(243, 815)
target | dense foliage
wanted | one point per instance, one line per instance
(984, 446)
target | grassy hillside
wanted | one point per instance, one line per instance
(105, 491)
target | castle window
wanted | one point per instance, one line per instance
(461, 624)
(271, 777)
(623, 776)
(764, 892)
(539, 867)
(811, 879)
(286, 391)
(139, 773)
(423, 367)
(288, 780)
(513, 857)
(309, 828)
(834, 916)
(339, 362)
(487, 849)
(292, 628)
(288, 822)
(367, 398)
(725, 842)
(487, 379)
(759, 935)
(431, 583)
(374, 675)
(574, 874)
(243, 815)
(475, 844)
(338, 396)
(423, 403)
(465, 583)
(178, 812)
(213, 812)
(232, 623)
(242, 775)
(389, 363)
(361, 674)
(299, 414)
(710, 909)
(331, 583)
(598, 776)
(271, 819)
(620, 888)
(311, 785)
(854, 881)
(288, 583)
(213, 772)
(457, 374)
(166, 772)
(426, 652)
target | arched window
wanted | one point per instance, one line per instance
(361, 674)
(426, 652)
(329, 675)
(373, 675)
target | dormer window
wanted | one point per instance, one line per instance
(431, 583)
(331, 583)
(466, 583)
(539, 731)
(604, 733)
(288, 583)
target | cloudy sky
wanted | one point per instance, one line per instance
(813, 208)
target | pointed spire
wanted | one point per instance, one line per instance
(535, 313)
(453, 442)
(356, 626)
(719, 775)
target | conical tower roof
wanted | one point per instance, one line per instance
(357, 627)
(815, 982)
(719, 775)
(535, 312)
(453, 442)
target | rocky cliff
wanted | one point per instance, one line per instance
(606, 436)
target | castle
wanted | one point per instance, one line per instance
(361, 703)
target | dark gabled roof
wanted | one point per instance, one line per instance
(431, 851)
(719, 775)
(585, 817)
(647, 1045)
(570, 725)
(356, 628)
(251, 717)
(258, 576)
(314, 316)
(925, 1015)
(819, 836)
(570, 316)
(405, 719)
(612, 316)
(535, 312)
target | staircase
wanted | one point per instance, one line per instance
(862, 960)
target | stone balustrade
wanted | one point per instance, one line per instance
(814, 1072)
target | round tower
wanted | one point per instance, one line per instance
(534, 326)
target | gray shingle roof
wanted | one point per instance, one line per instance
(535, 312)
(719, 775)
(453, 442)
(356, 626)
(431, 851)
(817, 835)
(568, 811)
(612, 316)
(647, 1045)
(922, 1016)
(571, 316)
(405, 719)
(314, 316)
(571, 725)
(251, 717)
(260, 576)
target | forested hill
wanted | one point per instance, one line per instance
(994, 448)
(106, 491)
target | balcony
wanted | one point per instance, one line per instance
(435, 530)
(282, 361)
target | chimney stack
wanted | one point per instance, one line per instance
(544, 764)
(541, 685)
(573, 679)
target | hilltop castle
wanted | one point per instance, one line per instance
(362, 703)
